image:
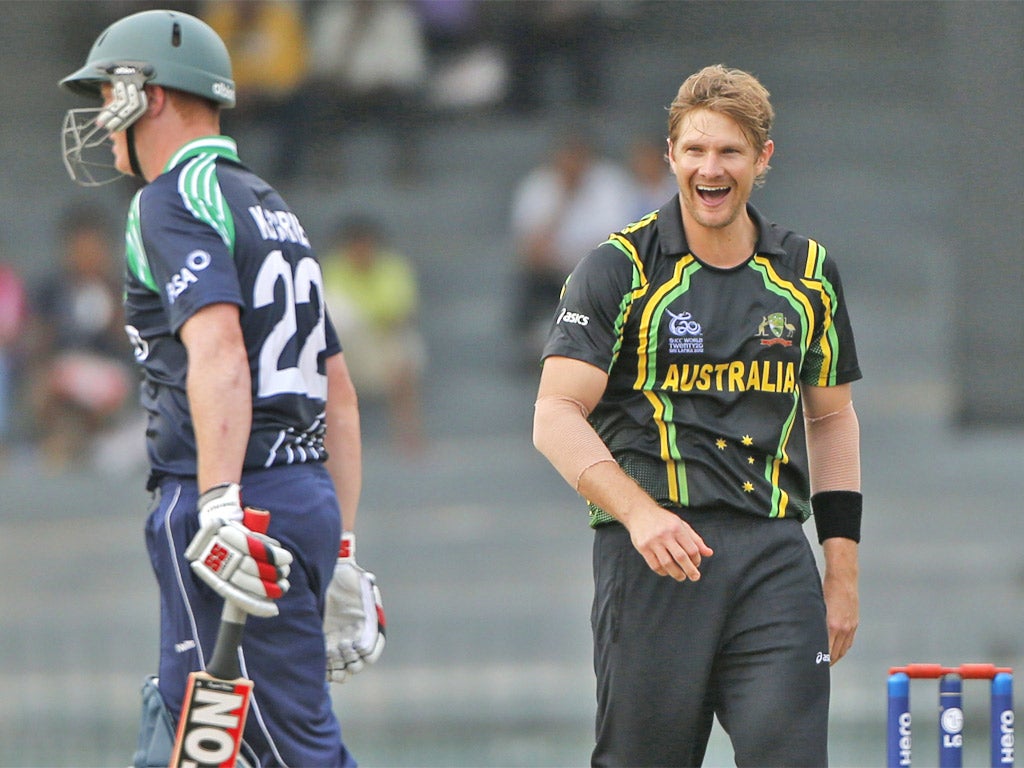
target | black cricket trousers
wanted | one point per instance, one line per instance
(747, 643)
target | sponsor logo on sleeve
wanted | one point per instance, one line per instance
(577, 318)
(195, 262)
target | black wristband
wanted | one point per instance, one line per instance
(837, 514)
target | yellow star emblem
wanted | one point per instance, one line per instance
(748, 440)
(750, 459)
(720, 442)
(748, 487)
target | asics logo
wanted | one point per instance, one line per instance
(565, 316)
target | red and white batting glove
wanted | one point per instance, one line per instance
(222, 502)
(354, 624)
(232, 555)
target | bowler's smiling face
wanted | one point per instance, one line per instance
(716, 168)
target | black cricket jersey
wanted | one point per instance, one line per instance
(206, 231)
(704, 365)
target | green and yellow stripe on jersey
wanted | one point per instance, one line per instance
(647, 374)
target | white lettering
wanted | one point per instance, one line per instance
(179, 283)
(208, 746)
(573, 317)
(266, 231)
(214, 721)
(299, 231)
(284, 231)
(219, 708)
(197, 261)
(1006, 738)
(905, 738)
(279, 226)
(223, 90)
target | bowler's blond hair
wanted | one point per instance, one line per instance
(731, 92)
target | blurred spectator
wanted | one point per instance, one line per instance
(372, 295)
(468, 68)
(365, 48)
(554, 37)
(368, 62)
(267, 42)
(13, 314)
(561, 211)
(653, 182)
(81, 356)
(449, 26)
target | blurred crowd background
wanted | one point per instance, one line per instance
(451, 159)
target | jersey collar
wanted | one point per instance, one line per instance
(673, 236)
(670, 228)
(768, 242)
(222, 146)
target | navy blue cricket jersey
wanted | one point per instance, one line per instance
(206, 231)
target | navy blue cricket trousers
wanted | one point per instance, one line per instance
(291, 721)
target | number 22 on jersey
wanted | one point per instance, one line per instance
(299, 286)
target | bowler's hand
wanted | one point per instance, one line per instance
(842, 603)
(668, 544)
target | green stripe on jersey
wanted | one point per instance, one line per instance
(135, 251)
(831, 335)
(823, 357)
(800, 304)
(638, 288)
(202, 196)
(647, 374)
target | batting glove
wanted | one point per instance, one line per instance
(233, 556)
(354, 624)
(221, 503)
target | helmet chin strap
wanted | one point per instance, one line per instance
(133, 157)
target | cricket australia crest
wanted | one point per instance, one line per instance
(775, 329)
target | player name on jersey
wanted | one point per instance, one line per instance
(279, 226)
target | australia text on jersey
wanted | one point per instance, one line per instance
(736, 376)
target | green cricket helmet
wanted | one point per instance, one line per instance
(166, 48)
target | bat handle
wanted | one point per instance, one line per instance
(224, 662)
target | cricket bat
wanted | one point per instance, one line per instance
(216, 703)
(217, 700)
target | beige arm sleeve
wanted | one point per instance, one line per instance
(562, 433)
(833, 450)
